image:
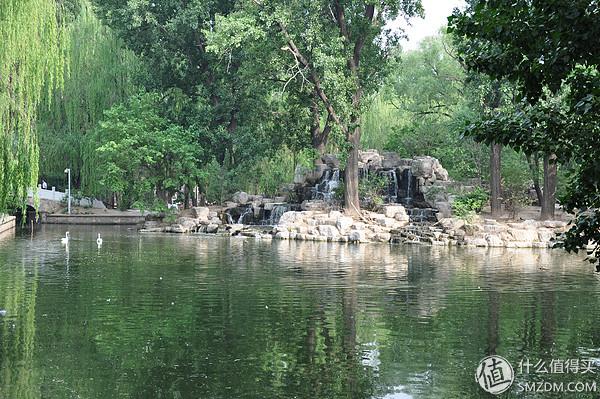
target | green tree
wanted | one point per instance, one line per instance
(141, 153)
(32, 61)
(547, 48)
(340, 49)
(101, 73)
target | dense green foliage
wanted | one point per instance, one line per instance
(32, 62)
(545, 48)
(334, 50)
(467, 205)
(101, 73)
(143, 155)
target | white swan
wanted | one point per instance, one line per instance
(65, 239)
(99, 240)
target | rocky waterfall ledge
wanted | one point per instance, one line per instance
(389, 225)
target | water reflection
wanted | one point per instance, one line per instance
(192, 316)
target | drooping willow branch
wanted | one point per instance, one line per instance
(32, 50)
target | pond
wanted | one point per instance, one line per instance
(170, 316)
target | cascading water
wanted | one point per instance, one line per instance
(409, 186)
(326, 187)
(392, 185)
(246, 217)
(276, 213)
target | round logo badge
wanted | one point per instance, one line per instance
(494, 374)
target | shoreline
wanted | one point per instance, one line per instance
(390, 225)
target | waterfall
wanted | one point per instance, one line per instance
(408, 186)
(325, 188)
(229, 218)
(276, 213)
(245, 214)
(392, 185)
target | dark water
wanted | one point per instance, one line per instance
(203, 317)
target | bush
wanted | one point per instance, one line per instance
(467, 205)
(372, 189)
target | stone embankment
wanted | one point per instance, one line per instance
(389, 224)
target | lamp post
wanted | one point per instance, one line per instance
(68, 172)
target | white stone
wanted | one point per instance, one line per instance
(201, 212)
(494, 241)
(390, 211)
(328, 231)
(212, 228)
(344, 223)
(282, 235)
(545, 235)
(290, 217)
(523, 234)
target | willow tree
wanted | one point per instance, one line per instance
(101, 74)
(32, 61)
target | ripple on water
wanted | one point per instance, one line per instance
(281, 319)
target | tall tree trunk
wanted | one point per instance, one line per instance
(495, 179)
(549, 197)
(534, 167)
(351, 201)
(319, 135)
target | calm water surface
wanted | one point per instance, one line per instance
(170, 316)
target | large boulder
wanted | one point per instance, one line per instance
(328, 231)
(201, 212)
(392, 210)
(370, 159)
(344, 223)
(300, 174)
(240, 197)
(187, 224)
(526, 235)
(423, 167)
(357, 236)
(439, 171)
(212, 228)
(290, 217)
(391, 160)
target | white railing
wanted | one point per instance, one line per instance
(53, 195)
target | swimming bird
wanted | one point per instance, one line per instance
(99, 240)
(65, 239)
(2, 312)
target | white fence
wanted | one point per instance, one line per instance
(53, 195)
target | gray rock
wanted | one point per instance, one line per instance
(328, 231)
(3, 312)
(391, 160)
(331, 161)
(314, 205)
(212, 228)
(422, 167)
(240, 197)
(343, 223)
(357, 236)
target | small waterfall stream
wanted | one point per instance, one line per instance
(326, 187)
(276, 213)
(392, 185)
(247, 216)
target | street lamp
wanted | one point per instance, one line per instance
(68, 172)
